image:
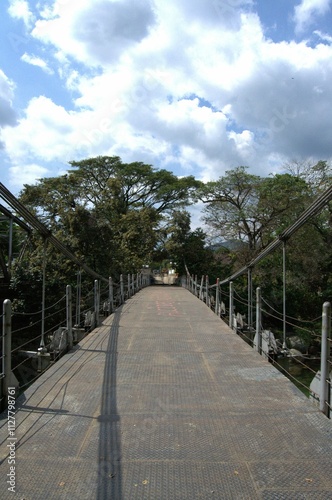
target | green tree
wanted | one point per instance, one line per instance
(108, 212)
(188, 248)
(250, 209)
(231, 207)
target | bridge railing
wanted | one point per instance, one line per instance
(3, 345)
(326, 365)
(31, 342)
(264, 341)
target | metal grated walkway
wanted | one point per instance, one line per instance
(165, 402)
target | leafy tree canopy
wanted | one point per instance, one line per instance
(107, 211)
(105, 183)
(251, 209)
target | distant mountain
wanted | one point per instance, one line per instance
(228, 244)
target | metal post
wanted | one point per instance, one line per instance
(201, 289)
(78, 298)
(217, 299)
(249, 298)
(325, 388)
(231, 304)
(9, 379)
(284, 294)
(97, 302)
(128, 286)
(110, 295)
(42, 347)
(195, 285)
(207, 300)
(69, 316)
(10, 249)
(7, 342)
(133, 283)
(258, 320)
(121, 289)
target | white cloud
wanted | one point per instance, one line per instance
(8, 116)
(44, 133)
(19, 9)
(26, 174)
(7, 113)
(37, 61)
(100, 32)
(323, 36)
(190, 86)
(307, 10)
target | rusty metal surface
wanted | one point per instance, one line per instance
(164, 401)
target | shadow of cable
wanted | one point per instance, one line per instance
(109, 455)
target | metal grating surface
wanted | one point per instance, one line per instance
(165, 402)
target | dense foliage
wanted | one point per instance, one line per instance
(118, 217)
(252, 211)
(107, 212)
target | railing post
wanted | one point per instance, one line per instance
(201, 297)
(195, 286)
(325, 384)
(249, 298)
(42, 347)
(128, 286)
(207, 300)
(97, 302)
(217, 299)
(9, 380)
(258, 320)
(121, 289)
(284, 294)
(231, 304)
(69, 316)
(110, 295)
(78, 298)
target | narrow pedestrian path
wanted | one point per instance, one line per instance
(165, 402)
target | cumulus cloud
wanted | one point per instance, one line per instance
(107, 29)
(192, 86)
(44, 132)
(98, 32)
(323, 36)
(7, 113)
(306, 12)
(19, 9)
(26, 174)
(37, 61)
(8, 116)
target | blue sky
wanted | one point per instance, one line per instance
(196, 87)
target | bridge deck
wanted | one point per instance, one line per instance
(164, 401)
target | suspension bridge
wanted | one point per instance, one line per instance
(155, 395)
(164, 400)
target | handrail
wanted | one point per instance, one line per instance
(27, 361)
(312, 210)
(255, 336)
